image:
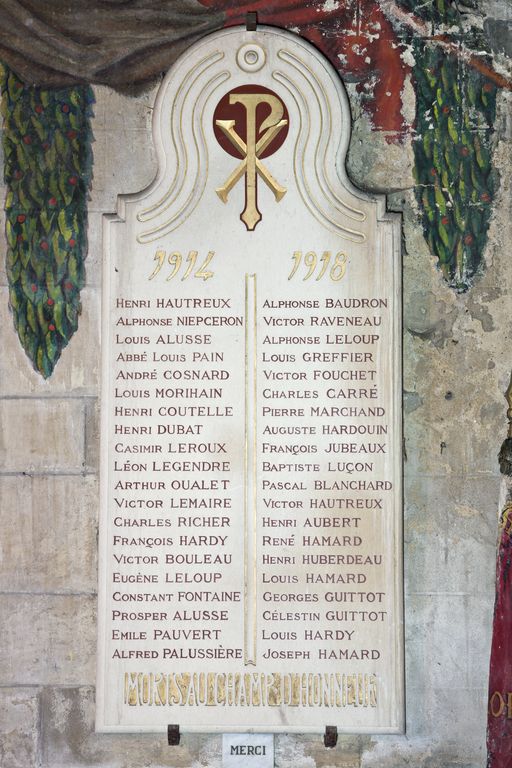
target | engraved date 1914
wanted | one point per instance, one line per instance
(189, 267)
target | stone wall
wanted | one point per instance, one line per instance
(457, 363)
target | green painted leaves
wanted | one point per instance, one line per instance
(48, 169)
(455, 112)
(454, 174)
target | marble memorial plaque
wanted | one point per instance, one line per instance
(250, 533)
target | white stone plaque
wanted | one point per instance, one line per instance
(250, 552)
(247, 750)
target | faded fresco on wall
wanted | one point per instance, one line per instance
(375, 44)
(457, 337)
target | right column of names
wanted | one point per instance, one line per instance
(324, 478)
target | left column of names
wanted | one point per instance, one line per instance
(175, 461)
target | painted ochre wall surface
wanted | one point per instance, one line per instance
(457, 363)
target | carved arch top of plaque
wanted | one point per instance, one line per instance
(250, 528)
(320, 124)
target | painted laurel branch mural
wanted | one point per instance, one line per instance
(454, 174)
(455, 112)
(48, 167)
(376, 44)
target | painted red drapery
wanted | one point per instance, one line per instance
(499, 730)
(356, 37)
(126, 44)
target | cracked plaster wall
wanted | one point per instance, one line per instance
(457, 360)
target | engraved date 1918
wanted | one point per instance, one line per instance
(185, 267)
(334, 267)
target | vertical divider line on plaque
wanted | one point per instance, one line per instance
(250, 472)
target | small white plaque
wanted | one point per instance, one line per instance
(247, 750)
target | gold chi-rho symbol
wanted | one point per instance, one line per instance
(256, 128)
